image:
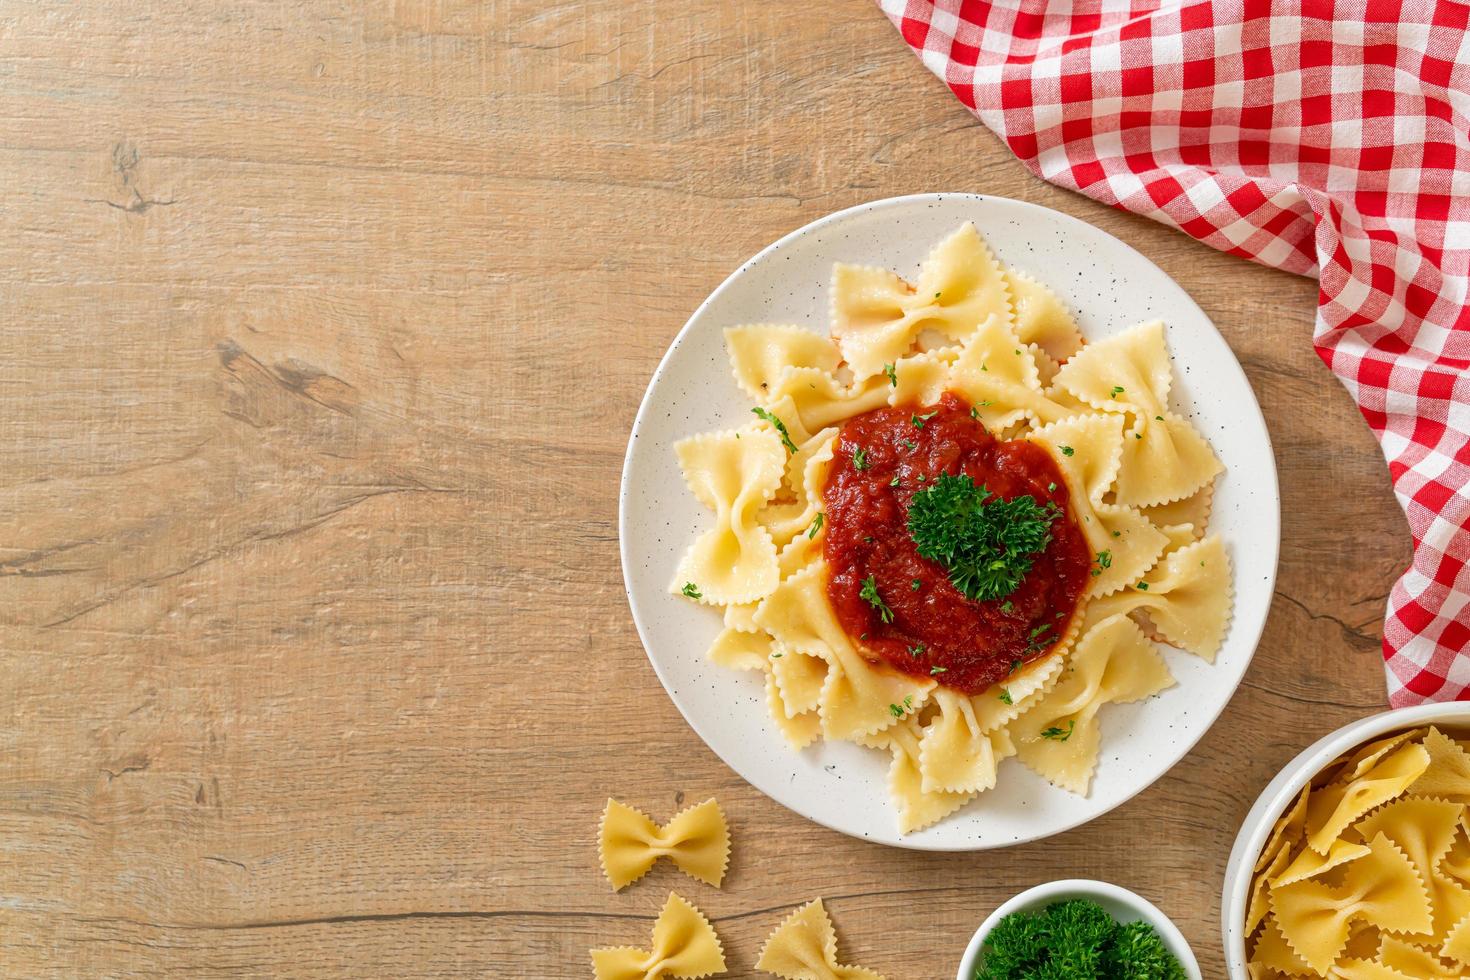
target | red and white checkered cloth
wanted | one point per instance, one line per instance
(1330, 139)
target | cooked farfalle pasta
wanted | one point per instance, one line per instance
(1113, 663)
(1139, 486)
(1362, 876)
(684, 945)
(877, 317)
(804, 947)
(695, 839)
(733, 474)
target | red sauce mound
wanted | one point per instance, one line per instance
(935, 624)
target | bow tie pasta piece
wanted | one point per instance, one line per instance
(696, 840)
(1164, 459)
(877, 317)
(733, 474)
(1448, 774)
(1188, 597)
(858, 698)
(684, 945)
(806, 472)
(1113, 662)
(917, 808)
(1041, 319)
(760, 352)
(1424, 830)
(955, 754)
(1127, 372)
(804, 947)
(1382, 888)
(997, 374)
(1334, 807)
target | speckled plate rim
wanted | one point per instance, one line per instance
(1245, 629)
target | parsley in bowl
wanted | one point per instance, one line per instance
(1079, 930)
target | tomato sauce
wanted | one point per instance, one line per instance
(973, 644)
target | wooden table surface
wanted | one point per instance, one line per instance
(322, 326)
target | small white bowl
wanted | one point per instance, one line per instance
(1120, 903)
(1279, 793)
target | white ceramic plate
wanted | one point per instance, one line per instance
(1110, 287)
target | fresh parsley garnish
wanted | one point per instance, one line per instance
(817, 523)
(917, 650)
(919, 420)
(869, 594)
(974, 412)
(1105, 559)
(898, 711)
(910, 444)
(860, 459)
(916, 584)
(1075, 939)
(1117, 390)
(893, 482)
(1007, 606)
(1057, 734)
(937, 670)
(1066, 450)
(691, 591)
(892, 371)
(1005, 696)
(780, 428)
(987, 544)
(1142, 586)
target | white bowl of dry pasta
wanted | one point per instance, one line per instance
(1355, 860)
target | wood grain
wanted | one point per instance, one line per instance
(322, 326)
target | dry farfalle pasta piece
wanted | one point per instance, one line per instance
(696, 840)
(684, 945)
(804, 947)
(1382, 888)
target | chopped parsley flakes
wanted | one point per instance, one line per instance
(869, 594)
(892, 371)
(1066, 450)
(691, 591)
(860, 459)
(987, 544)
(1005, 696)
(1057, 734)
(817, 523)
(780, 428)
